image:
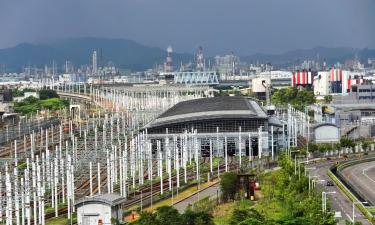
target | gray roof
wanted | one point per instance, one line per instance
(272, 120)
(109, 199)
(325, 124)
(210, 108)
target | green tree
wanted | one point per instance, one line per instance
(204, 205)
(147, 218)
(346, 143)
(32, 105)
(247, 216)
(228, 185)
(190, 217)
(47, 93)
(298, 98)
(168, 215)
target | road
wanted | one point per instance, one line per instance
(338, 201)
(208, 192)
(362, 176)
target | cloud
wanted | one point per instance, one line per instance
(219, 25)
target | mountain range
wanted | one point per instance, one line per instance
(132, 55)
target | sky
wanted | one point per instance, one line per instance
(220, 26)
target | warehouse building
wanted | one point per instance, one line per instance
(99, 209)
(232, 124)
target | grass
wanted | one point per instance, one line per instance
(181, 195)
(371, 210)
(57, 221)
(223, 212)
(62, 220)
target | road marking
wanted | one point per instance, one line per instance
(363, 172)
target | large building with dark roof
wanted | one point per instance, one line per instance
(219, 122)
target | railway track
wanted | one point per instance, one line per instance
(136, 199)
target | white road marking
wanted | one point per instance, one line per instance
(363, 172)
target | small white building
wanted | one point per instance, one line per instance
(322, 83)
(326, 133)
(26, 95)
(99, 209)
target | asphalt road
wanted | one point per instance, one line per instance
(208, 192)
(362, 176)
(338, 201)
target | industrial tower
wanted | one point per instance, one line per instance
(200, 59)
(168, 66)
(94, 63)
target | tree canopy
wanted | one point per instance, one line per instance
(32, 105)
(228, 185)
(47, 93)
(169, 215)
(298, 98)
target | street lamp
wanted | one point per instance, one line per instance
(357, 202)
(140, 191)
(324, 200)
(312, 182)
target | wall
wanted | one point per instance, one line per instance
(321, 83)
(101, 210)
(326, 133)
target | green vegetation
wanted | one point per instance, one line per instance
(32, 105)
(298, 98)
(367, 212)
(328, 99)
(62, 220)
(204, 205)
(286, 200)
(49, 99)
(351, 223)
(228, 186)
(20, 93)
(347, 143)
(47, 94)
(169, 215)
(344, 143)
(323, 147)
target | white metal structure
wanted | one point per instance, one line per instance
(196, 78)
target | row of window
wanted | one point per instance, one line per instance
(210, 126)
(366, 90)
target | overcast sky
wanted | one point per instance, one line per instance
(242, 26)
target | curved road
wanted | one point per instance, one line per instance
(338, 201)
(362, 176)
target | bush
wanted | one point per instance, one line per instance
(228, 185)
(297, 98)
(47, 93)
(204, 205)
(346, 143)
(32, 105)
(169, 215)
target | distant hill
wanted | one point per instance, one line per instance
(123, 53)
(331, 55)
(128, 54)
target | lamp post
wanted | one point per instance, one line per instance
(357, 202)
(324, 200)
(140, 191)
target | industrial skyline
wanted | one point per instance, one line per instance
(245, 27)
